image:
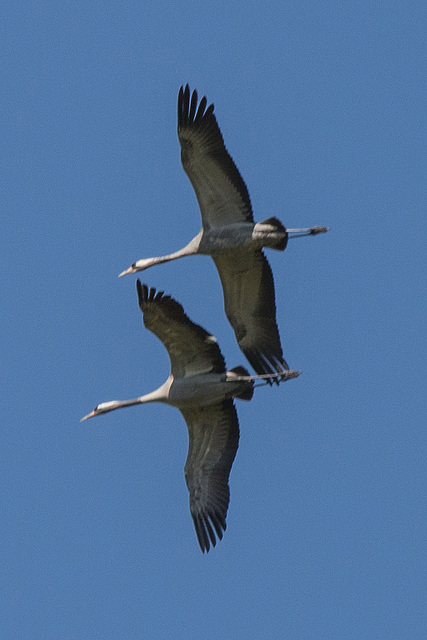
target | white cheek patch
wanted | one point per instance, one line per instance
(106, 405)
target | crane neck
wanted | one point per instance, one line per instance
(159, 395)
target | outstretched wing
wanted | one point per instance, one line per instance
(213, 441)
(250, 306)
(191, 349)
(221, 192)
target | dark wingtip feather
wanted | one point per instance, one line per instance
(142, 290)
(201, 533)
(193, 106)
(188, 112)
(219, 523)
(201, 109)
(150, 295)
(264, 363)
(205, 531)
(183, 103)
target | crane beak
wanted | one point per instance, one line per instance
(89, 415)
(127, 271)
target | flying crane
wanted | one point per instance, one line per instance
(230, 235)
(203, 390)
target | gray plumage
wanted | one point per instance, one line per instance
(203, 390)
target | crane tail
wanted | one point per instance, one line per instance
(279, 228)
(247, 390)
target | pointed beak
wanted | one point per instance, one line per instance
(127, 271)
(89, 415)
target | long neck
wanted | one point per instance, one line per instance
(154, 396)
(159, 395)
(189, 250)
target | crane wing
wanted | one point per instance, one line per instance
(250, 306)
(221, 192)
(191, 349)
(213, 441)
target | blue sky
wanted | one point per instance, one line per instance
(322, 106)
